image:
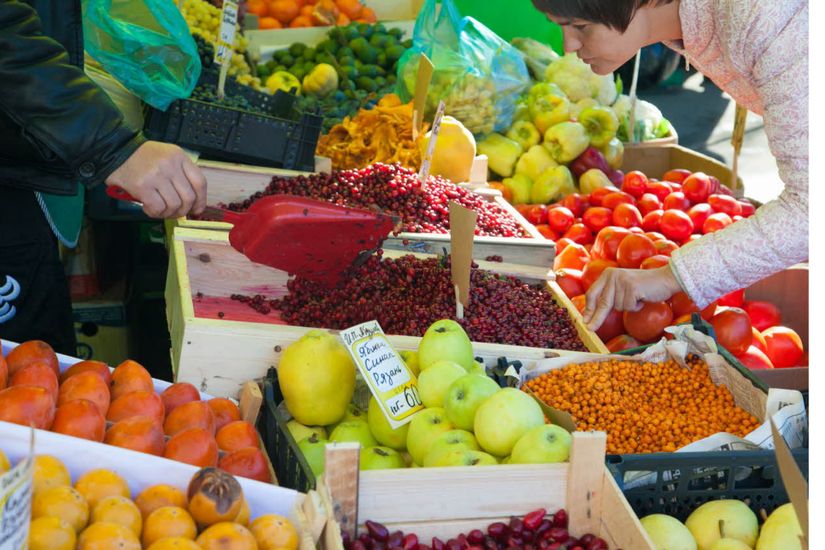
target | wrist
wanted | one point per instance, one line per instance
(671, 279)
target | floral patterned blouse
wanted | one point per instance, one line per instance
(756, 51)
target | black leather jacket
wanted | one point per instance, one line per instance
(57, 127)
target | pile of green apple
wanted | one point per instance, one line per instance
(725, 525)
(468, 418)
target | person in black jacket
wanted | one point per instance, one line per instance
(58, 130)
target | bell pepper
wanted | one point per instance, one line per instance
(502, 153)
(601, 124)
(552, 185)
(321, 81)
(590, 158)
(613, 152)
(524, 133)
(520, 186)
(549, 110)
(282, 80)
(592, 180)
(534, 162)
(545, 88)
(566, 141)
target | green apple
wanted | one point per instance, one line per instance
(299, 431)
(313, 448)
(465, 395)
(503, 418)
(478, 368)
(601, 124)
(425, 426)
(445, 339)
(357, 431)
(381, 458)
(566, 141)
(381, 429)
(353, 413)
(553, 184)
(434, 382)
(720, 519)
(411, 360)
(592, 180)
(781, 531)
(520, 186)
(465, 458)
(729, 544)
(543, 444)
(668, 533)
(450, 441)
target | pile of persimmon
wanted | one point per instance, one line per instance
(279, 14)
(120, 407)
(644, 407)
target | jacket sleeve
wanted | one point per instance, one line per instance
(62, 112)
(776, 237)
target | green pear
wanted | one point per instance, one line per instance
(299, 431)
(425, 426)
(503, 418)
(465, 395)
(381, 458)
(357, 431)
(781, 531)
(313, 448)
(545, 444)
(445, 340)
(353, 413)
(381, 429)
(719, 519)
(668, 532)
(450, 441)
(465, 458)
(434, 382)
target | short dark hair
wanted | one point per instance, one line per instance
(615, 14)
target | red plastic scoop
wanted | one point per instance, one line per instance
(315, 239)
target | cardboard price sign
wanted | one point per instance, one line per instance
(226, 37)
(391, 382)
(16, 503)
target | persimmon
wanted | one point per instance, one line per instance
(257, 7)
(33, 351)
(99, 483)
(136, 403)
(267, 23)
(85, 385)
(343, 20)
(227, 535)
(36, 374)
(104, 535)
(168, 521)
(138, 433)
(80, 418)
(174, 543)
(195, 414)
(27, 405)
(194, 446)
(274, 532)
(130, 376)
(367, 15)
(237, 435)
(86, 366)
(249, 463)
(284, 10)
(178, 394)
(4, 372)
(351, 8)
(325, 13)
(118, 509)
(225, 411)
(301, 21)
(214, 496)
(49, 472)
(63, 502)
(158, 496)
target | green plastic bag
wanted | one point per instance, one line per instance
(477, 73)
(146, 45)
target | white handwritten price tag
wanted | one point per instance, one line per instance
(226, 36)
(16, 505)
(390, 380)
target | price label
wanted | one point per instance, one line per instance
(16, 504)
(226, 36)
(391, 382)
(424, 173)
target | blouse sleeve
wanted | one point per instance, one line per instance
(776, 236)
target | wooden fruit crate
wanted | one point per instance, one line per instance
(443, 502)
(235, 182)
(670, 139)
(217, 354)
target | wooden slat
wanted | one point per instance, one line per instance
(251, 400)
(341, 469)
(619, 525)
(585, 480)
(591, 340)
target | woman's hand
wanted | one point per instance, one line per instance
(625, 290)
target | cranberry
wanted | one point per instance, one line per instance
(358, 545)
(559, 534)
(516, 527)
(543, 530)
(410, 542)
(438, 544)
(587, 539)
(560, 518)
(395, 539)
(475, 536)
(597, 544)
(533, 519)
(377, 531)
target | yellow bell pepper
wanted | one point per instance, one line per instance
(283, 80)
(322, 80)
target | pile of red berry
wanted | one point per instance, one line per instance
(397, 190)
(406, 295)
(536, 531)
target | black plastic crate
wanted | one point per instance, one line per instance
(677, 483)
(289, 463)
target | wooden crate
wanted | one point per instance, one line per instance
(443, 502)
(671, 139)
(217, 354)
(235, 182)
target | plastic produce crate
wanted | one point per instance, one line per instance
(680, 482)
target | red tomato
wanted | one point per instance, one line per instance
(547, 232)
(536, 214)
(574, 256)
(715, 222)
(726, 204)
(612, 200)
(698, 213)
(522, 208)
(579, 233)
(594, 269)
(733, 330)
(575, 202)
(747, 208)
(763, 314)
(722, 189)
(652, 220)
(579, 302)
(680, 320)
(754, 358)
(621, 343)
(665, 247)
(597, 218)
(697, 187)
(659, 188)
(570, 281)
(560, 219)
(655, 236)
(759, 341)
(676, 225)
(784, 346)
(648, 203)
(677, 175)
(636, 230)
(627, 215)
(607, 242)
(681, 304)
(655, 261)
(676, 201)
(598, 195)
(675, 187)
(715, 185)
(561, 244)
(733, 299)
(649, 323)
(635, 183)
(633, 250)
(611, 327)
(709, 311)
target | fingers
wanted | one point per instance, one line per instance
(592, 296)
(173, 201)
(153, 204)
(198, 183)
(603, 299)
(185, 192)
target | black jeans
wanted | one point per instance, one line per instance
(34, 292)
